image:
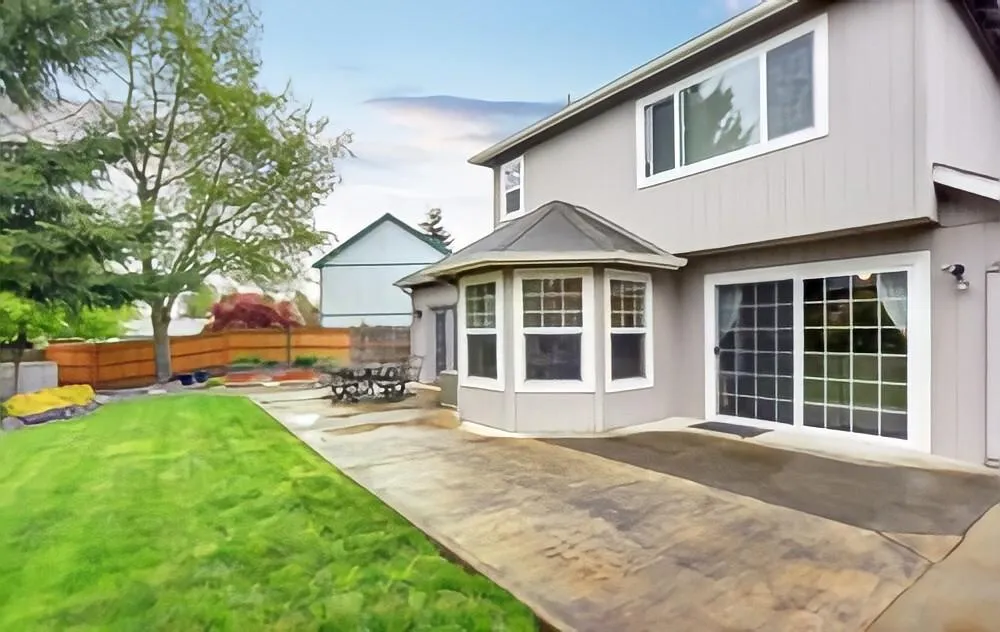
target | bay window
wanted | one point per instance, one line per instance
(629, 340)
(767, 98)
(480, 318)
(554, 337)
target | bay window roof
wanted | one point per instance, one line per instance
(556, 232)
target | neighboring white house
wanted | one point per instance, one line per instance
(357, 277)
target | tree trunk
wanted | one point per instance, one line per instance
(161, 343)
(20, 343)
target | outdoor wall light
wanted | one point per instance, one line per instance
(957, 270)
(417, 313)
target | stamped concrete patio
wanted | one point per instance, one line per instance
(674, 533)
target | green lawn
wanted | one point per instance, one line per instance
(199, 512)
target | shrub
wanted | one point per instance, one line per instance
(305, 361)
(248, 360)
(271, 363)
(327, 364)
(215, 381)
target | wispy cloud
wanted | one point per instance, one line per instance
(461, 122)
(411, 155)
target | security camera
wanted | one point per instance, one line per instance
(957, 270)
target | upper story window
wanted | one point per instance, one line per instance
(512, 189)
(770, 97)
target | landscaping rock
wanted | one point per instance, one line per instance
(10, 424)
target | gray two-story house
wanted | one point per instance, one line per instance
(791, 221)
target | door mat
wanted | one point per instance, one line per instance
(744, 432)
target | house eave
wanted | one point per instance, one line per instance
(968, 181)
(514, 259)
(699, 44)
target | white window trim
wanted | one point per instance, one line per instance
(475, 381)
(635, 383)
(918, 378)
(587, 370)
(818, 26)
(504, 215)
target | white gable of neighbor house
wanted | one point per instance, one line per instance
(357, 285)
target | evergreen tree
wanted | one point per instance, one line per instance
(56, 248)
(432, 226)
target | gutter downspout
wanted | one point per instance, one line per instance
(993, 366)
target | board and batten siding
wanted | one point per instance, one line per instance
(357, 286)
(862, 173)
(963, 94)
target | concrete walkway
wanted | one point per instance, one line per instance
(594, 544)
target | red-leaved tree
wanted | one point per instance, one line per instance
(253, 311)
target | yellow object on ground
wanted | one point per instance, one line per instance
(24, 404)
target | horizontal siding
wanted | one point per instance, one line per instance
(356, 291)
(388, 243)
(861, 174)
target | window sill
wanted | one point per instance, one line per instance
(630, 384)
(796, 138)
(506, 217)
(481, 383)
(554, 386)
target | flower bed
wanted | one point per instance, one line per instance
(280, 375)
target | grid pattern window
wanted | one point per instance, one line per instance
(766, 99)
(855, 346)
(755, 350)
(511, 191)
(628, 328)
(481, 329)
(552, 324)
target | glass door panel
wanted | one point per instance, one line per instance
(855, 353)
(755, 350)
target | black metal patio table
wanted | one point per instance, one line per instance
(380, 381)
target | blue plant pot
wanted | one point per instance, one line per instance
(201, 376)
(186, 379)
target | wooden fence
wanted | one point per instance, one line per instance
(131, 363)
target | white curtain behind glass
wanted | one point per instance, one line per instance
(892, 295)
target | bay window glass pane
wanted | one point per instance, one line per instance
(628, 356)
(552, 302)
(660, 136)
(480, 306)
(552, 356)
(482, 355)
(628, 304)
(790, 87)
(722, 113)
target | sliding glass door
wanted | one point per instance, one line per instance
(754, 350)
(855, 353)
(802, 346)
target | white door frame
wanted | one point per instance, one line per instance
(916, 264)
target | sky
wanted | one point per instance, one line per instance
(425, 85)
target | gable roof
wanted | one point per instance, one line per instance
(361, 234)
(606, 95)
(556, 232)
(982, 17)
